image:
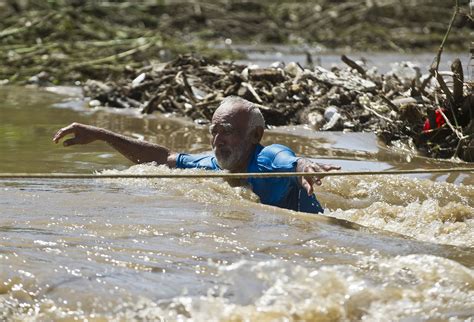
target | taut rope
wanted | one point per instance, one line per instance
(222, 174)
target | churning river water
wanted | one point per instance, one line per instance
(387, 248)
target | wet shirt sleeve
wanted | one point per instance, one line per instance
(196, 161)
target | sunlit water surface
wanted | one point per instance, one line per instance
(386, 248)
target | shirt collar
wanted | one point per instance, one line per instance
(253, 159)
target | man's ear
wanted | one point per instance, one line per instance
(257, 135)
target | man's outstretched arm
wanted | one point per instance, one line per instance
(135, 150)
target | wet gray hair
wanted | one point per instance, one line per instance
(255, 116)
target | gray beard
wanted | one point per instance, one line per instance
(231, 161)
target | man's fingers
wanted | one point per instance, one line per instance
(318, 181)
(69, 142)
(57, 136)
(62, 133)
(329, 167)
(307, 185)
(310, 180)
(313, 180)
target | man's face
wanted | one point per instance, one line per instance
(230, 141)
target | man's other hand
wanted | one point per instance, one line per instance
(305, 165)
(83, 134)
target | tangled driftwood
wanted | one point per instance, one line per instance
(347, 99)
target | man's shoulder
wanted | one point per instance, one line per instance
(276, 157)
(274, 149)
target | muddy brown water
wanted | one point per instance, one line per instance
(386, 248)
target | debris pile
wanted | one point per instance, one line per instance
(401, 105)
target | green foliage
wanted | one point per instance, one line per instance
(76, 39)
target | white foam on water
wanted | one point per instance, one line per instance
(415, 287)
(376, 288)
(398, 190)
(431, 211)
(203, 190)
(451, 224)
(425, 210)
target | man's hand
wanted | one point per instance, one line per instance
(305, 165)
(83, 134)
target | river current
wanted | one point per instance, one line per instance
(387, 248)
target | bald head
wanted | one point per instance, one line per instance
(243, 110)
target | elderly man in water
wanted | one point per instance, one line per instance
(237, 128)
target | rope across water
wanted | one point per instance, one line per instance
(222, 174)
